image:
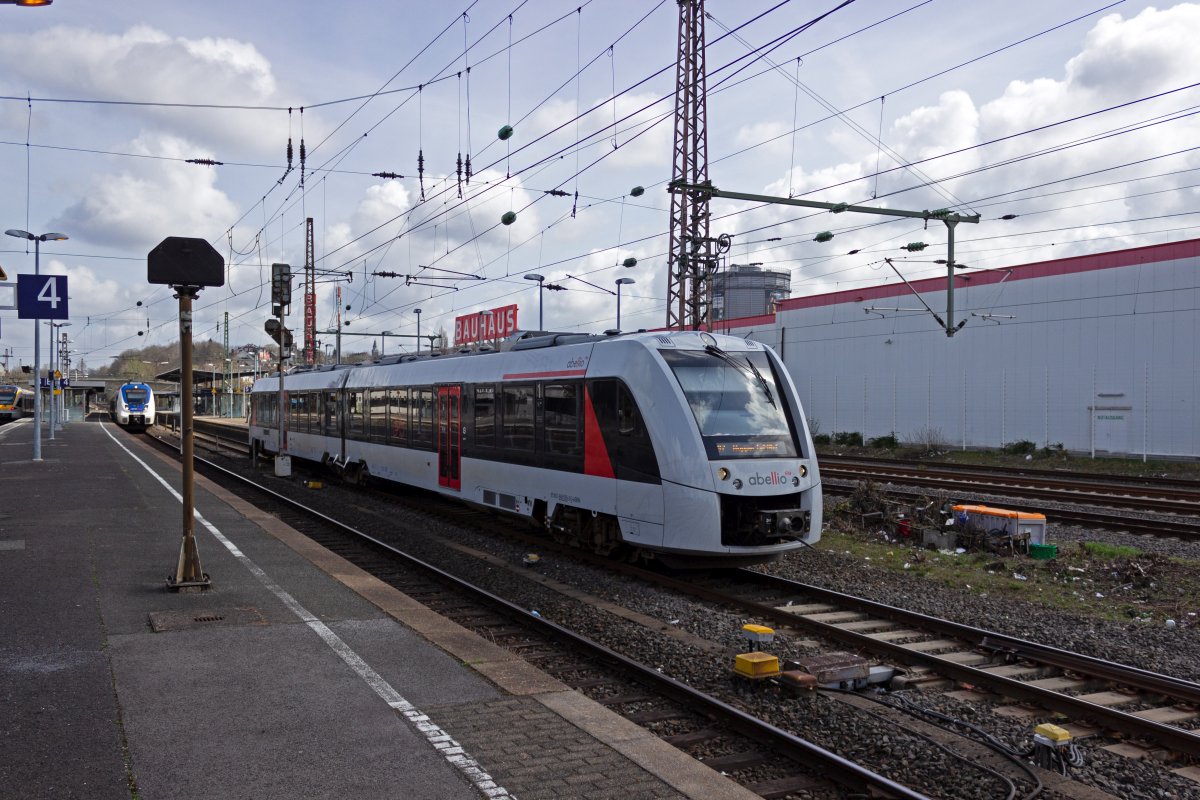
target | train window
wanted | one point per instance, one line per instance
(517, 414)
(623, 431)
(295, 413)
(356, 418)
(377, 410)
(629, 421)
(485, 416)
(736, 401)
(398, 416)
(422, 416)
(562, 419)
(307, 415)
(332, 411)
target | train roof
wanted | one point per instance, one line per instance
(332, 376)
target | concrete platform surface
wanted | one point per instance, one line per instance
(297, 675)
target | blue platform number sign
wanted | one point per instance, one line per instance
(42, 297)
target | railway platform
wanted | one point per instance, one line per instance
(296, 675)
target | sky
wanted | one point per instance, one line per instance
(1074, 119)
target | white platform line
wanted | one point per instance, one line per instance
(438, 738)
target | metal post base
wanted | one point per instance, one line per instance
(201, 585)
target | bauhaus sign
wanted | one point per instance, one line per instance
(486, 326)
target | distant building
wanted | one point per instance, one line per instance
(748, 290)
(1098, 352)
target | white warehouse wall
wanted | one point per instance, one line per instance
(1101, 354)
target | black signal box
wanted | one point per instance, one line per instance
(185, 261)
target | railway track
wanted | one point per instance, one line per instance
(1087, 502)
(762, 757)
(1113, 494)
(1084, 688)
(1111, 698)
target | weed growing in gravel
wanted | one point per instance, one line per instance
(1106, 581)
(1102, 550)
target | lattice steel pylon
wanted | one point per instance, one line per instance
(310, 297)
(691, 260)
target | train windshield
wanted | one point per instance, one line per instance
(7, 396)
(135, 395)
(736, 401)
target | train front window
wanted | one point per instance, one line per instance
(7, 397)
(737, 402)
(135, 395)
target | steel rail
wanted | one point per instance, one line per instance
(1176, 739)
(829, 764)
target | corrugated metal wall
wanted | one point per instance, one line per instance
(1097, 357)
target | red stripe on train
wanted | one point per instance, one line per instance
(595, 453)
(562, 373)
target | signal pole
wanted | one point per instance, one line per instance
(187, 265)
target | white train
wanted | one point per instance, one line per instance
(686, 446)
(15, 402)
(132, 406)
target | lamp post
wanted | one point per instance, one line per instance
(417, 311)
(55, 349)
(484, 317)
(37, 335)
(621, 282)
(541, 279)
(212, 390)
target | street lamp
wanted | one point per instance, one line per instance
(417, 311)
(541, 279)
(621, 282)
(37, 336)
(55, 363)
(484, 317)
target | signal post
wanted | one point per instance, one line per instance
(187, 265)
(281, 301)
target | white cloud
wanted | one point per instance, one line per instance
(149, 200)
(145, 64)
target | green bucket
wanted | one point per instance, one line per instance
(1043, 552)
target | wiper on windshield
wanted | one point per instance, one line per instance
(748, 368)
(762, 382)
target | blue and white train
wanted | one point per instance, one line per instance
(687, 447)
(132, 406)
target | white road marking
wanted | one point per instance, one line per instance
(441, 741)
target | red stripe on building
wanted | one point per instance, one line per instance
(1149, 254)
(1039, 269)
(595, 452)
(562, 373)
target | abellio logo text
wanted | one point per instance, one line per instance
(774, 479)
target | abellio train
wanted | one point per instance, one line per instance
(15, 402)
(132, 406)
(687, 447)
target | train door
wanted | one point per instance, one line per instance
(333, 423)
(449, 436)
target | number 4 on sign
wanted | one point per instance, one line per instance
(49, 293)
(42, 297)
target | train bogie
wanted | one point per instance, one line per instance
(682, 446)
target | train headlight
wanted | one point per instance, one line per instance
(803, 470)
(795, 481)
(723, 474)
(737, 483)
